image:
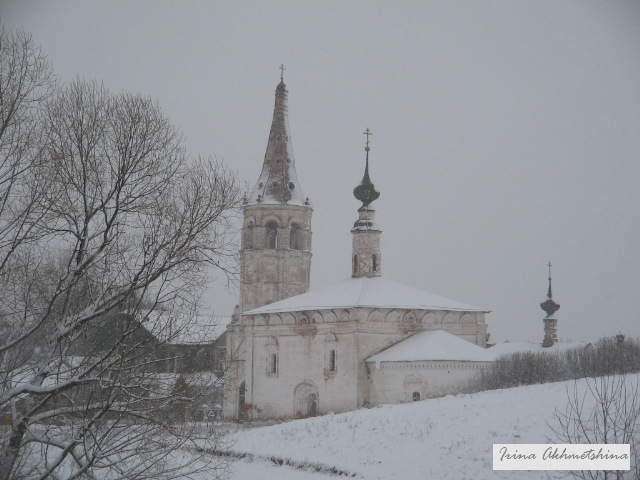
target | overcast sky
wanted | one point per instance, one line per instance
(506, 133)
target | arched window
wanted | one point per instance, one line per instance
(355, 264)
(272, 235)
(295, 240)
(273, 363)
(332, 360)
(271, 347)
(374, 262)
(248, 236)
(415, 387)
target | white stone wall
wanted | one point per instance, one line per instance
(395, 382)
(302, 359)
(302, 342)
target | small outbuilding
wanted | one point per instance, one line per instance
(427, 364)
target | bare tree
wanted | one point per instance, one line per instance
(104, 219)
(26, 81)
(603, 410)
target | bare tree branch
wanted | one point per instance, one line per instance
(104, 221)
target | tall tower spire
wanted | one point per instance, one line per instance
(550, 322)
(366, 257)
(275, 257)
(278, 182)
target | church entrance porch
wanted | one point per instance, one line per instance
(305, 398)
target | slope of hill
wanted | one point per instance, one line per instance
(448, 437)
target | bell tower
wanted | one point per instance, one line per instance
(275, 255)
(550, 321)
(366, 257)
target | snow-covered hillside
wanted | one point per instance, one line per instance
(442, 438)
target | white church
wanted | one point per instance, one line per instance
(363, 341)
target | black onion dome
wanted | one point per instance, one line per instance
(366, 192)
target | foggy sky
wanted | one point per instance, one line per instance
(506, 133)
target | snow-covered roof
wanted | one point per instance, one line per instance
(433, 345)
(180, 329)
(508, 347)
(163, 383)
(275, 184)
(374, 292)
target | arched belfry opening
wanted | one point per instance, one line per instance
(295, 237)
(271, 237)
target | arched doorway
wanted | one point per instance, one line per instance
(305, 399)
(312, 405)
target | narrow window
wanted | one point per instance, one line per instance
(242, 411)
(248, 241)
(355, 264)
(294, 239)
(272, 235)
(332, 360)
(374, 263)
(416, 396)
(273, 363)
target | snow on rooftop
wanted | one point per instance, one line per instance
(185, 329)
(433, 345)
(265, 184)
(508, 347)
(374, 292)
(165, 382)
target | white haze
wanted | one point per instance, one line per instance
(506, 133)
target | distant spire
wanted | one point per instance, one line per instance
(550, 322)
(282, 69)
(366, 192)
(549, 306)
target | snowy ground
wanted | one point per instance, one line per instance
(449, 437)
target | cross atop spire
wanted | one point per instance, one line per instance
(366, 192)
(368, 133)
(282, 69)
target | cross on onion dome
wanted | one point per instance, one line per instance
(366, 192)
(549, 306)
